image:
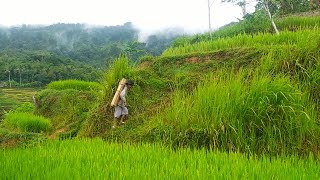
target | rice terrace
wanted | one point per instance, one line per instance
(13, 97)
(240, 102)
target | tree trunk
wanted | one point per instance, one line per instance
(209, 7)
(266, 6)
(244, 8)
(9, 78)
(20, 77)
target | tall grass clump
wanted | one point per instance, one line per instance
(26, 122)
(314, 82)
(252, 25)
(75, 84)
(119, 69)
(262, 40)
(243, 111)
(294, 23)
(26, 107)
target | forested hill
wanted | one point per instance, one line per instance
(83, 42)
(81, 45)
(76, 41)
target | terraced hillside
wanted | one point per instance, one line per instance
(250, 93)
(10, 98)
(241, 106)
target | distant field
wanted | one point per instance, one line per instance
(12, 97)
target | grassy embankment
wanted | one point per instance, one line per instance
(67, 104)
(22, 127)
(255, 94)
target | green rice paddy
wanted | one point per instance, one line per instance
(97, 159)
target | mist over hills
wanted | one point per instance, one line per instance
(83, 42)
(79, 44)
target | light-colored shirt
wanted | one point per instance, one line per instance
(123, 94)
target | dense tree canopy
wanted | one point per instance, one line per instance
(40, 54)
(37, 68)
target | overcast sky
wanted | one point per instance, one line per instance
(191, 15)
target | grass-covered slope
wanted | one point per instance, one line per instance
(250, 93)
(21, 127)
(254, 24)
(67, 104)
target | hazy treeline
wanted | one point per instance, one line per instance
(40, 54)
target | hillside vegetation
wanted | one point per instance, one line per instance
(33, 56)
(243, 104)
(255, 93)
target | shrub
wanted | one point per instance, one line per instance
(118, 70)
(26, 107)
(26, 122)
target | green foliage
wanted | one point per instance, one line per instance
(26, 122)
(268, 104)
(285, 7)
(116, 71)
(3, 131)
(296, 23)
(300, 39)
(65, 106)
(100, 118)
(314, 82)
(38, 68)
(264, 115)
(75, 84)
(74, 41)
(13, 139)
(97, 159)
(120, 68)
(269, 107)
(253, 24)
(26, 107)
(12, 98)
(68, 108)
(35, 56)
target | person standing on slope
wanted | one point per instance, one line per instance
(121, 110)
